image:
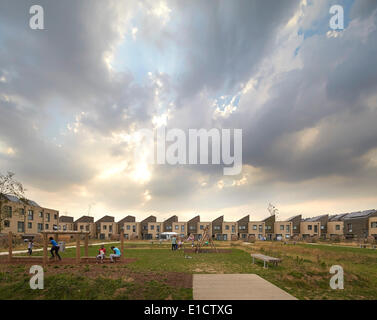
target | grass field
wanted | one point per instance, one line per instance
(159, 273)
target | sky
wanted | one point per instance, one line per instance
(72, 97)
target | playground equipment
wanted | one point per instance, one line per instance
(56, 234)
(205, 240)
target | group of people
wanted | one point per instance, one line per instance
(102, 254)
(55, 251)
(176, 244)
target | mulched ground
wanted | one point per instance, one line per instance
(109, 271)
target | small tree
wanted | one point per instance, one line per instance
(9, 187)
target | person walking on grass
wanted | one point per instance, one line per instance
(54, 249)
(30, 246)
(115, 255)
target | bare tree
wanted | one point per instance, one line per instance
(9, 187)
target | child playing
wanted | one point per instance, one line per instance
(55, 248)
(116, 254)
(101, 254)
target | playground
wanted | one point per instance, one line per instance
(154, 271)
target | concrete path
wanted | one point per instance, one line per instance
(236, 287)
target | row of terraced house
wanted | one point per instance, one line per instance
(355, 225)
(30, 219)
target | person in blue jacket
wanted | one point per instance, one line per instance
(55, 248)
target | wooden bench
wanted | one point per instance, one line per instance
(94, 258)
(265, 259)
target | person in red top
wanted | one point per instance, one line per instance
(101, 254)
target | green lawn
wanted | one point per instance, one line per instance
(159, 273)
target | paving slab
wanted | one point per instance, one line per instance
(236, 287)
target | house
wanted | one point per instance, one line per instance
(130, 227)
(356, 224)
(217, 228)
(86, 223)
(26, 217)
(192, 226)
(66, 223)
(310, 228)
(256, 230)
(269, 224)
(168, 224)
(296, 222)
(283, 230)
(201, 227)
(105, 227)
(144, 227)
(154, 230)
(229, 231)
(335, 225)
(373, 227)
(180, 228)
(243, 227)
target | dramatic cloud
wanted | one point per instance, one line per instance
(73, 95)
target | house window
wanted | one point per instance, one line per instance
(29, 225)
(46, 226)
(104, 227)
(20, 226)
(288, 228)
(128, 227)
(55, 216)
(373, 225)
(192, 228)
(310, 227)
(322, 227)
(133, 228)
(54, 227)
(8, 211)
(110, 228)
(281, 227)
(316, 228)
(40, 214)
(254, 227)
(87, 227)
(168, 227)
(47, 217)
(233, 229)
(6, 223)
(294, 227)
(65, 227)
(182, 228)
(158, 228)
(81, 227)
(260, 228)
(201, 227)
(226, 227)
(176, 227)
(30, 215)
(216, 228)
(40, 227)
(349, 227)
(287, 236)
(244, 235)
(152, 227)
(337, 227)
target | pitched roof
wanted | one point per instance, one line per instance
(359, 214)
(17, 200)
(106, 219)
(315, 219)
(65, 219)
(84, 219)
(294, 217)
(127, 219)
(244, 219)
